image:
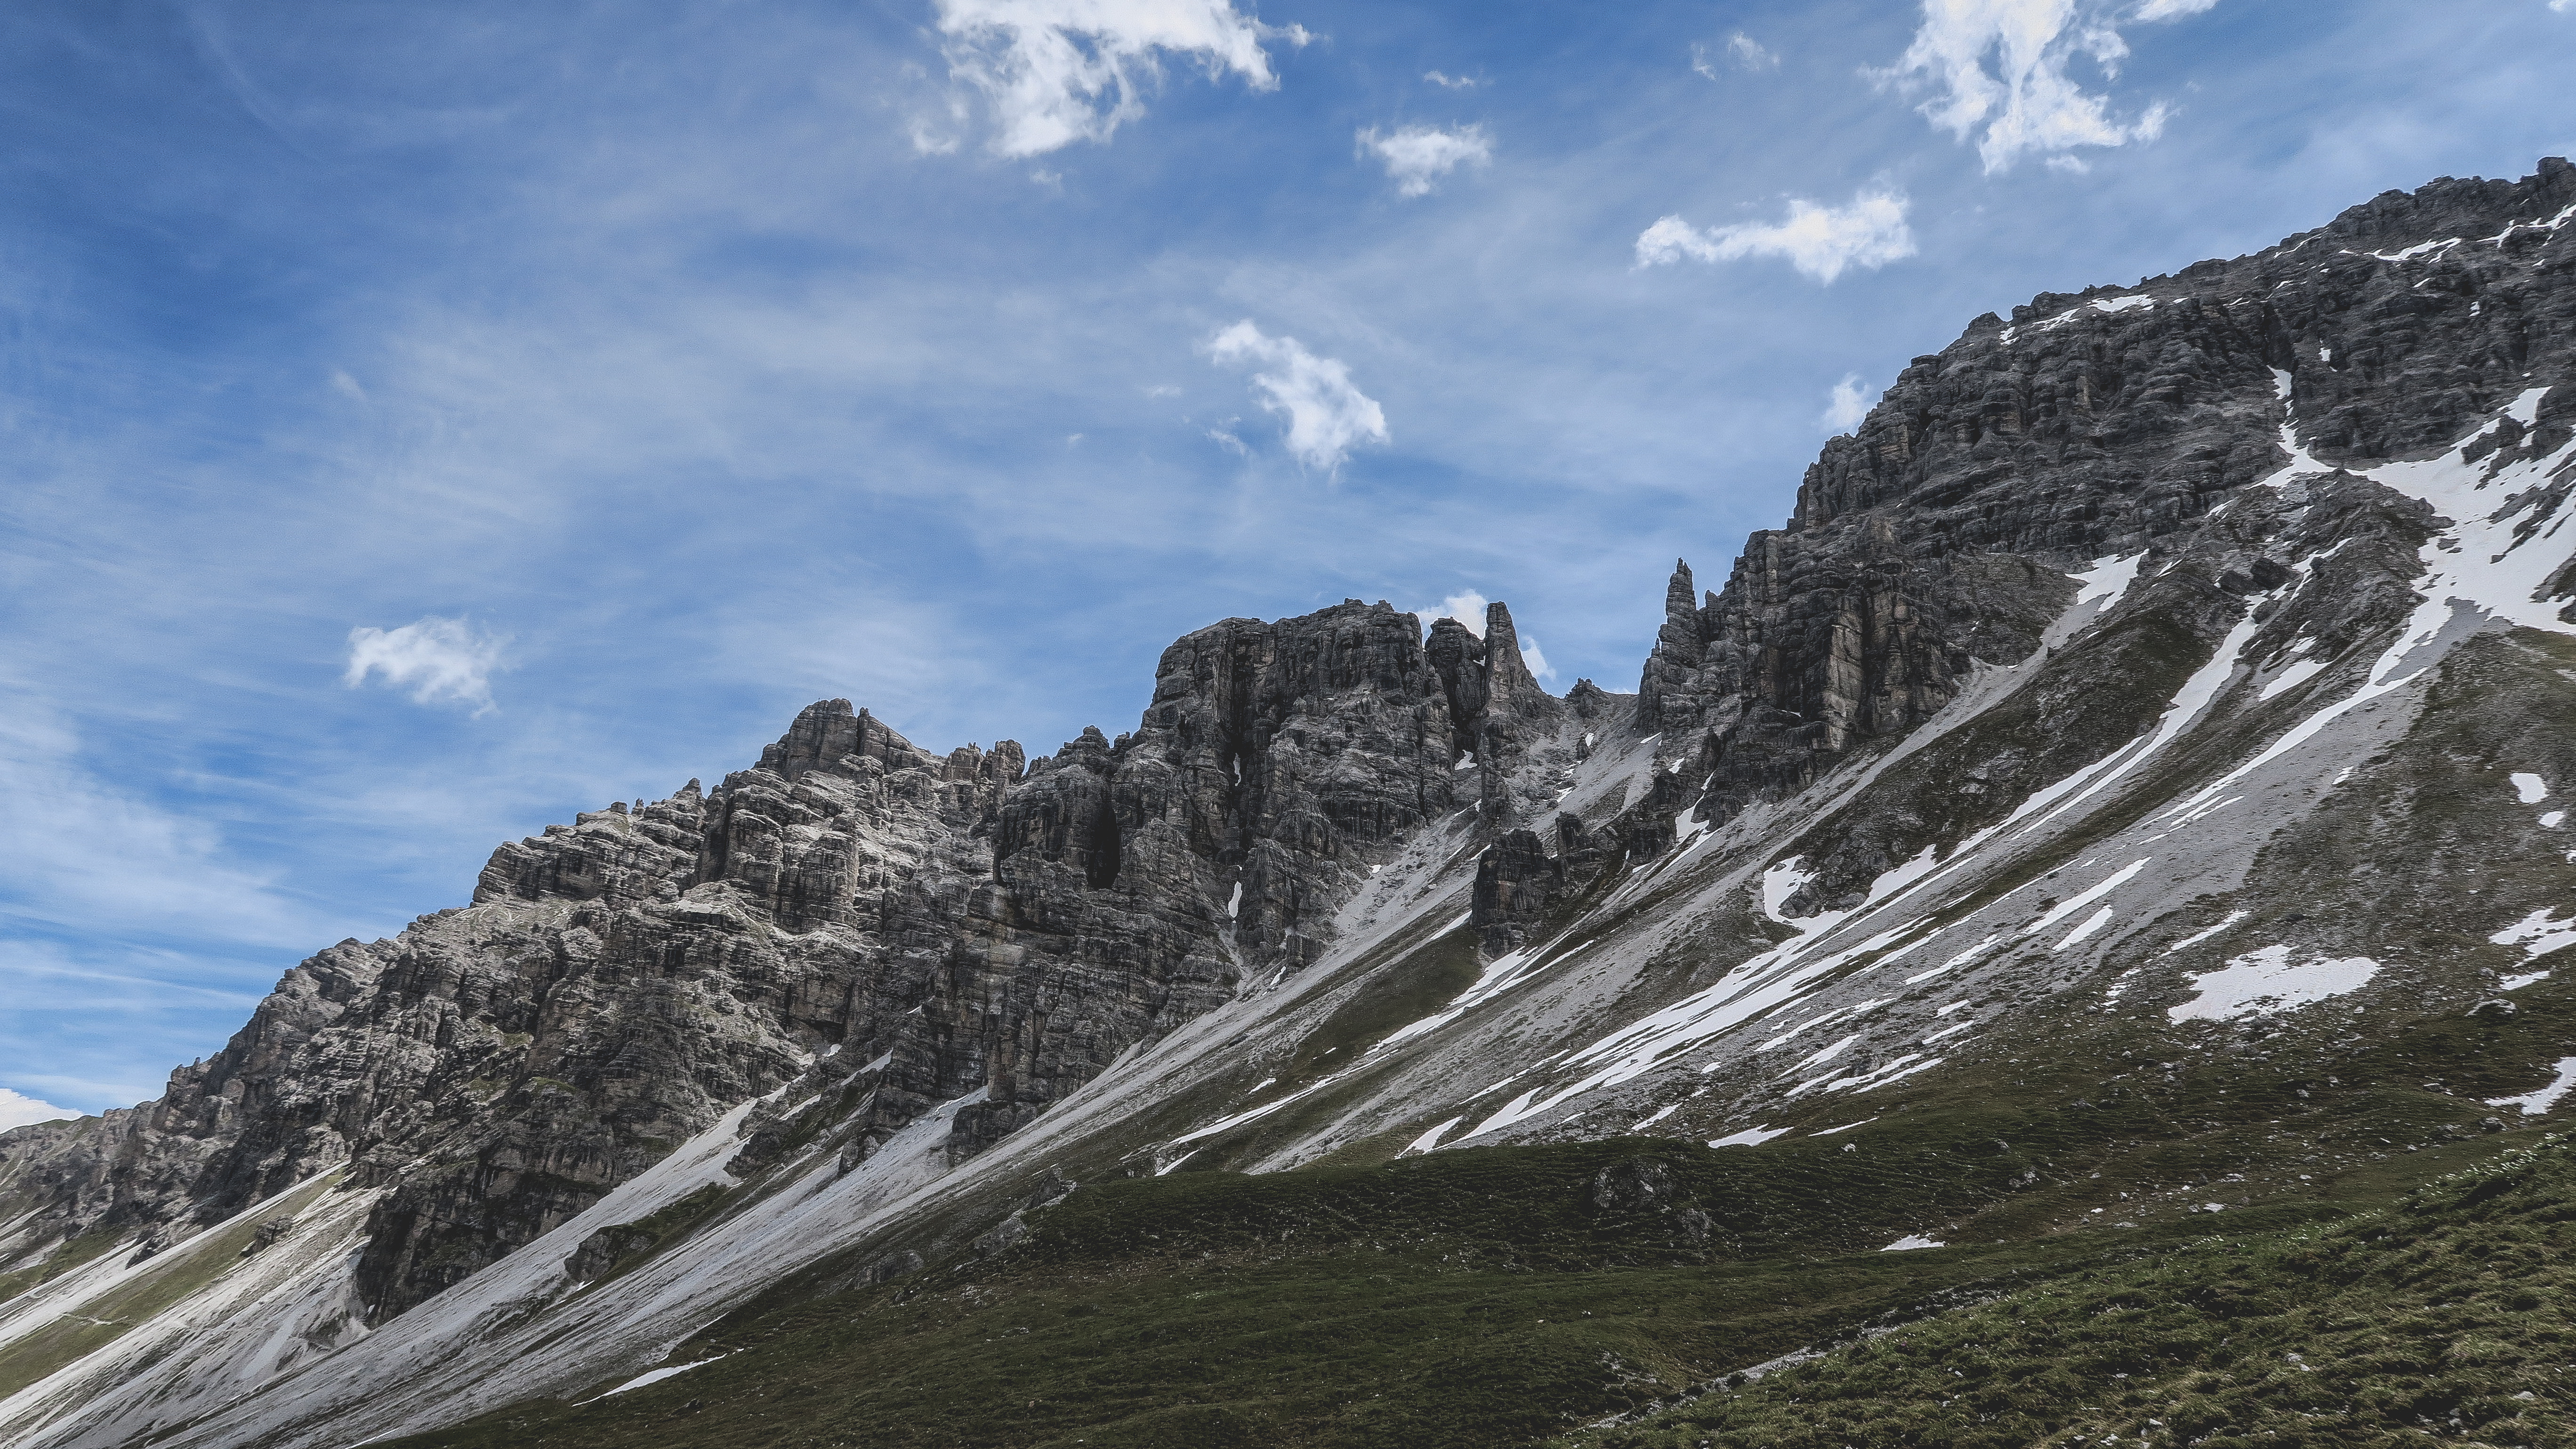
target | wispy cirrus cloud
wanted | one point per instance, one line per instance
(1327, 415)
(1059, 71)
(436, 659)
(1999, 70)
(1416, 157)
(1820, 241)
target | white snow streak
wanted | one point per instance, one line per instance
(2535, 1103)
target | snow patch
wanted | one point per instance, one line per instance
(2107, 579)
(2092, 923)
(1781, 882)
(2538, 934)
(2530, 789)
(656, 1376)
(2193, 940)
(1431, 1139)
(2266, 982)
(2535, 1103)
(1749, 1137)
(1912, 1241)
(2067, 908)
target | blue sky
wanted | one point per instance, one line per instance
(428, 421)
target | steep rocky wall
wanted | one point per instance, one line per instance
(1935, 537)
(903, 928)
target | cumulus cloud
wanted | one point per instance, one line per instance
(434, 658)
(17, 1110)
(1060, 71)
(1452, 82)
(1820, 241)
(1846, 407)
(1998, 69)
(1417, 157)
(1327, 416)
(1466, 606)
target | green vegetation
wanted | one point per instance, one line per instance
(1513, 1295)
(2445, 1316)
(177, 1276)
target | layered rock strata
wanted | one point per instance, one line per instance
(907, 929)
(1935, 539)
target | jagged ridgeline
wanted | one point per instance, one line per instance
(2130, 789)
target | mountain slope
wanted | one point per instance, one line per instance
(2148, 736)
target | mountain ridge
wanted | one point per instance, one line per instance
(2074, 580)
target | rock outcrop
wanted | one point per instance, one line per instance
(1935, 538)
(901, 928)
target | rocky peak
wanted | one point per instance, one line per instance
(1938, 534)
(827, 730)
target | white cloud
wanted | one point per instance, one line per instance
(17, 1110)
(1418, 156)
(1845, 409)
(435, 658)
(1061, 71)
(1455, 83)
(1466, 606)
(1820, 241)
(1326, 415)
(1746, 52)
(2001, 65)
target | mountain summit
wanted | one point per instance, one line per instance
(2130, 788)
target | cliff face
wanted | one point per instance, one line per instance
(855, 914)
(2168, 680)
(1936, 538)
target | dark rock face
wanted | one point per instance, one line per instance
(896, 930)
(1937, 535)
(899, 928)
(1516, 882)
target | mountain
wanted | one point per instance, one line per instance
(2125, 804)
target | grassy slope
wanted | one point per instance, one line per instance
(1486, 1297)
(1482, 1298)
(2445, 1317)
